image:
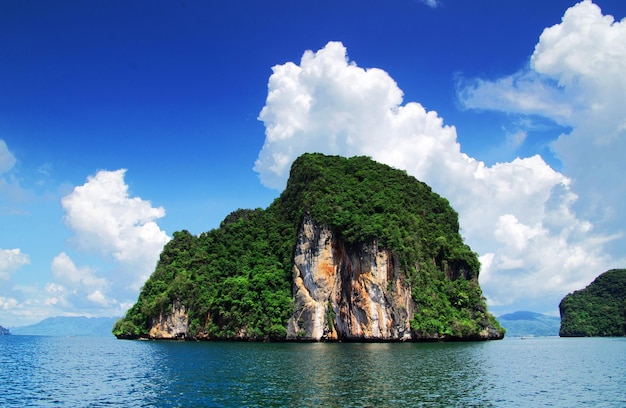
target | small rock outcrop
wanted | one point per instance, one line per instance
(172, 325)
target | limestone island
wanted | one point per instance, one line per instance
(599, 310)
(351, 250)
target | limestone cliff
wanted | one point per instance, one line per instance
(172, 324)
(344, 292)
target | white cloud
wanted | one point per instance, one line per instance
(7, 303)
(512, 213)
(79, 282)
(431, 3)
(7, 160)
(524, 92)
(538, 262)
(98, 298)
(74, 294)
(576, 78)
(106, 220)
(11, 192)
(10, 261)
(66, 272)
(57, 293)
(516, 139)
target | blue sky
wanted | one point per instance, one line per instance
(122, 122)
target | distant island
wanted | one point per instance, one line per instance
(597, 310)
(4, 332)
(69, 326)
(352, 250)
(526, 324)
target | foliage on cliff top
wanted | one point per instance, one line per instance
(364, 200)
(235, 281)
(597, 310)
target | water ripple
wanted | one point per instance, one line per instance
(81, 372)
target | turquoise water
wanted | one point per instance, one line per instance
(75, 372)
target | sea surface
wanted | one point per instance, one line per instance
(515, 372)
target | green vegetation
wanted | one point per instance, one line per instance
(235, 281)
(597, 310)
(232, 278)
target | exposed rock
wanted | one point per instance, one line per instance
(172, 325)
(343, 293)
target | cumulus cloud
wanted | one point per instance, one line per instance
(76, 279)
(576, 78)
(55, 294)
(514, 214)
(7, 303)
(106, 220)
(10, 261)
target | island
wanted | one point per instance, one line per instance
(4, 331)
(599, 310)
(351, 250)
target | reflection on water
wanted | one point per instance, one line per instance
(54, 371)
(331, 375)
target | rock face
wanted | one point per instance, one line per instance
(343, 293)
(170, 326)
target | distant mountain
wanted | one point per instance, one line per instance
(69, 326)
(520, 324)
(3, 331)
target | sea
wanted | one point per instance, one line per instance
(39, 371)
